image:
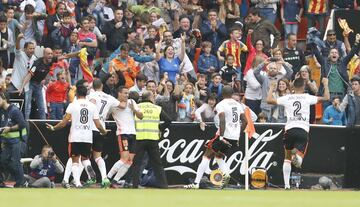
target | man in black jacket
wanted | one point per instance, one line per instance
(115, 31)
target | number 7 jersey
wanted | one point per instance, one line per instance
(232, 110)
(297, 109)
(83, 113)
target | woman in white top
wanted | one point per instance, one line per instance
(253, 94)
(206, 113)
(278, 114)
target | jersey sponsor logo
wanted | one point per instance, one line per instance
(82, 127)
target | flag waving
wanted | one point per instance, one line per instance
(88, 76)
(250, 128)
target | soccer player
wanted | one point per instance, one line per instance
(126, 133)
(296, 136)
(81, 113)
(104, 103)
(231, 119)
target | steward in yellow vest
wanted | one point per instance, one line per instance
(147, 136)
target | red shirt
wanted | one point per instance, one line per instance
(56, 92)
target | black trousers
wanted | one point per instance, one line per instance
(152, 148)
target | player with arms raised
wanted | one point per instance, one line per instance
(81, 113)
(296, 135)
(231, 119)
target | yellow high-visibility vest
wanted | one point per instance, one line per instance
(148, 127)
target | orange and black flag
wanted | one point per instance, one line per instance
(250, 128)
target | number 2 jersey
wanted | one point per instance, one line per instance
(104, 103)
(232, 110)
(297, 109)
(82, 112)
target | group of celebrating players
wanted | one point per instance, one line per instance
(88, 112)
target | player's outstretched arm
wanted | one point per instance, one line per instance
(61, 124)
(326, 95)
(243, 121)
(222, 123)
(100, 127)
(270, 98)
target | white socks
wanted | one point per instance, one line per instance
(286, 172)
(222, 165)
(76, 174)
(102, 167)
(68, 169)
(121, 171)
(201, 169)
(90, 172)
(114, 169)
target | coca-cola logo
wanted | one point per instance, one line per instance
(181, 155)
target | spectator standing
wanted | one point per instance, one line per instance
(277, 90)
(351, 103)
(272, 75)
(253, 93)
(234, 47)
(150, 69)
(24, 59)
(262, 29)
(216, 86)
(316, 13)
(291, 12)
(186, 106)
(206, 112)
(56, 96)
(258, 50)
(36, 74)
(115, 31)
(213, 30)
(170, 63)
(333, 115)
(267, 9)
(29, 21)
(125, 64)
(335, 69)
(6, 41)
(332, 42)
(207, 62)
(87, 39)
(293, 55)
(13, 25)
(228, 72)
(139, 86)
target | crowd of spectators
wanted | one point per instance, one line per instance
(184, 51)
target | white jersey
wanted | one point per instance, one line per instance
(124, 118)
(104, 103)
(297, 109)
(232, 110)
(83, 113)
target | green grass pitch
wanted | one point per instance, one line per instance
(175, 198)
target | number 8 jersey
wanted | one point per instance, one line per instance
(232, 110)
(297, 109)
(83, 113)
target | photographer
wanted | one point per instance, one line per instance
(44, 168)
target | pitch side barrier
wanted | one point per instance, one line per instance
(332, 150)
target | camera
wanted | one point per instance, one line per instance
(51, 154)
(273, 59)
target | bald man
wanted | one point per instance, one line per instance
(36, 74)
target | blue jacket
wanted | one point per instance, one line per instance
(217, 37)
(204, 63)
(11, 117)
(338, 116)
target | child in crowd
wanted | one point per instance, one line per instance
(207, 63)
(228, 72)
(186, 106)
